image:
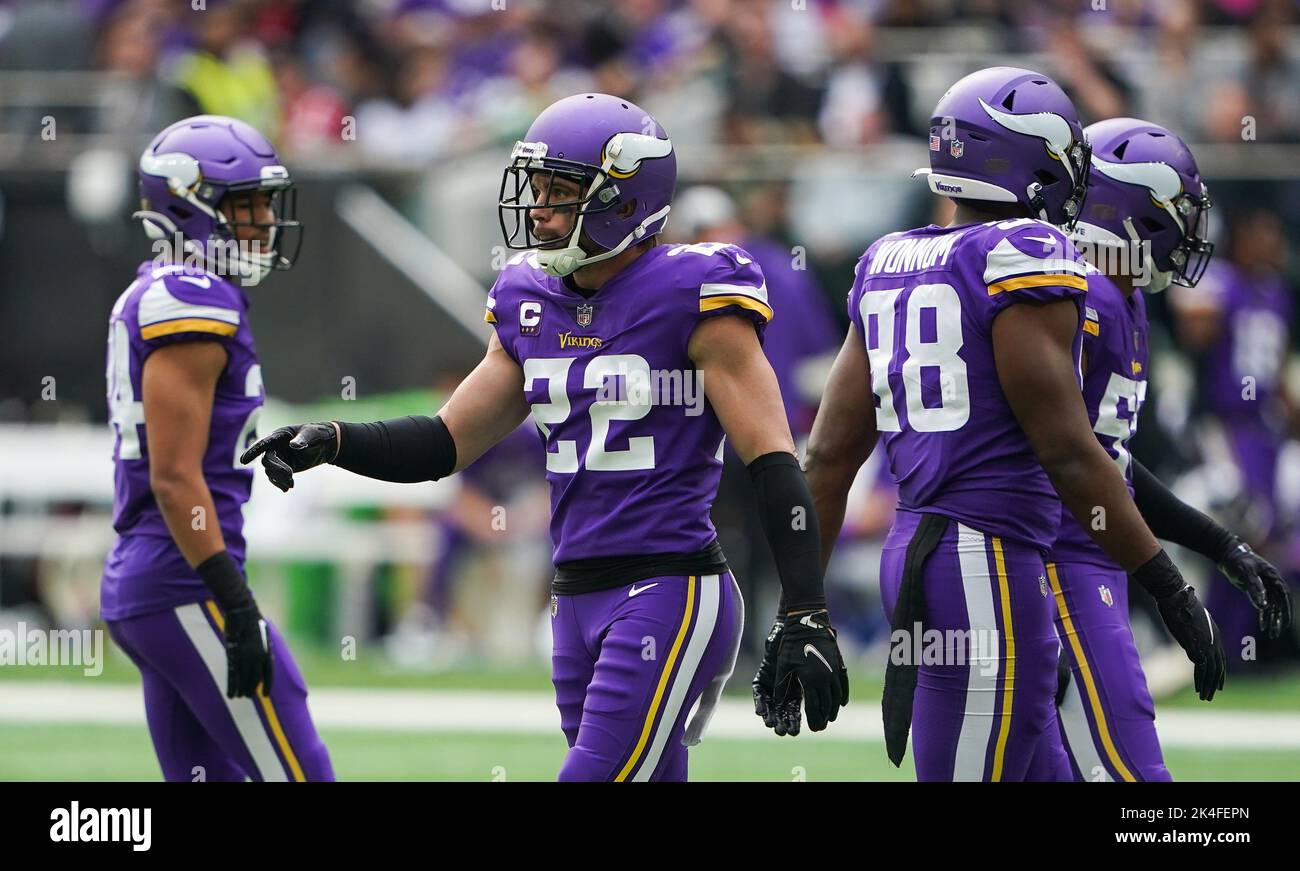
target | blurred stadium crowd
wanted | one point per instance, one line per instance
(753, 92)
(428, 78)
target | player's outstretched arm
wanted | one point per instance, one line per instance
(1172, 519)
(742, 388)
(485, 408)
(1032, 350)
(179, 382)
(843, 436)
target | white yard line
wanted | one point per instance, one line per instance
(534, 713)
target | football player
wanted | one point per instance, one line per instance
(963, 358)
(634, 358)
(223, 697)
(1143, 228)
(1237, 324)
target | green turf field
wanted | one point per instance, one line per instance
(1273, 692)
(76, 751)
(67, 752)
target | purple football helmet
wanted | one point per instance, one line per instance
(1009, 135)
(1145, 188)
(616, 153)
(185, 172)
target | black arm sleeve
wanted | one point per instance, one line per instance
(405, 449)
(1172, 519)
(786, 507)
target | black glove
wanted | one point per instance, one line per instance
(248, 653)
(1188, 621)
(248, 650)
(785, 718)
(1257, 578)
(1196, 632)
(807, 657)
(294, 448)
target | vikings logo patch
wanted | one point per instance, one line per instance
(555, 605)
(585, 313)
(1042, 585)
(1106, 597)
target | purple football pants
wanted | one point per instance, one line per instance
(1107, 721)
(197, 732)
(630, 663)
(987, 654)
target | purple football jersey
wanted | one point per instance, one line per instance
(1114, 387)
(924, 302)
(1242, 372)
(145, 570)
(633, 448)
(806, 328)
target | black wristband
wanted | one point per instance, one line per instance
(785, 506)
(405, 450)
(1159, 576)
(1172, 519)
(222, 575)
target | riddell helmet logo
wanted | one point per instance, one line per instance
(948, 188)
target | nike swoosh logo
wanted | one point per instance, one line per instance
(1046, 240)
(808, 648)
(633, 591)
(203, 282)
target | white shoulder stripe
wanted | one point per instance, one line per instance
(758, 293)
(157, 304)
(1006, 260)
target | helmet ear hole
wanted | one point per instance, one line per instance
(1044, 177)
(1151, 225)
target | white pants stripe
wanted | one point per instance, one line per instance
(710, 598)
(1079, 743)
(982, 659)
(242, 710)
(709, 698)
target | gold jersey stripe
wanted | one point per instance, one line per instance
(1058, 280)
(713, 303)
(188, 325)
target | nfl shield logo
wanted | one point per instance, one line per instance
(585, 313)
(956, 148)
(1042, 585)
(1104, 592)
(555, 605)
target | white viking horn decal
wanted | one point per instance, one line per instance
(181, 170)
(1161, 178)
(1045, 125)
(625, 151)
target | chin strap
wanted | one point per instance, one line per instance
(565, 261)
(1158, 280)
(249, 272)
